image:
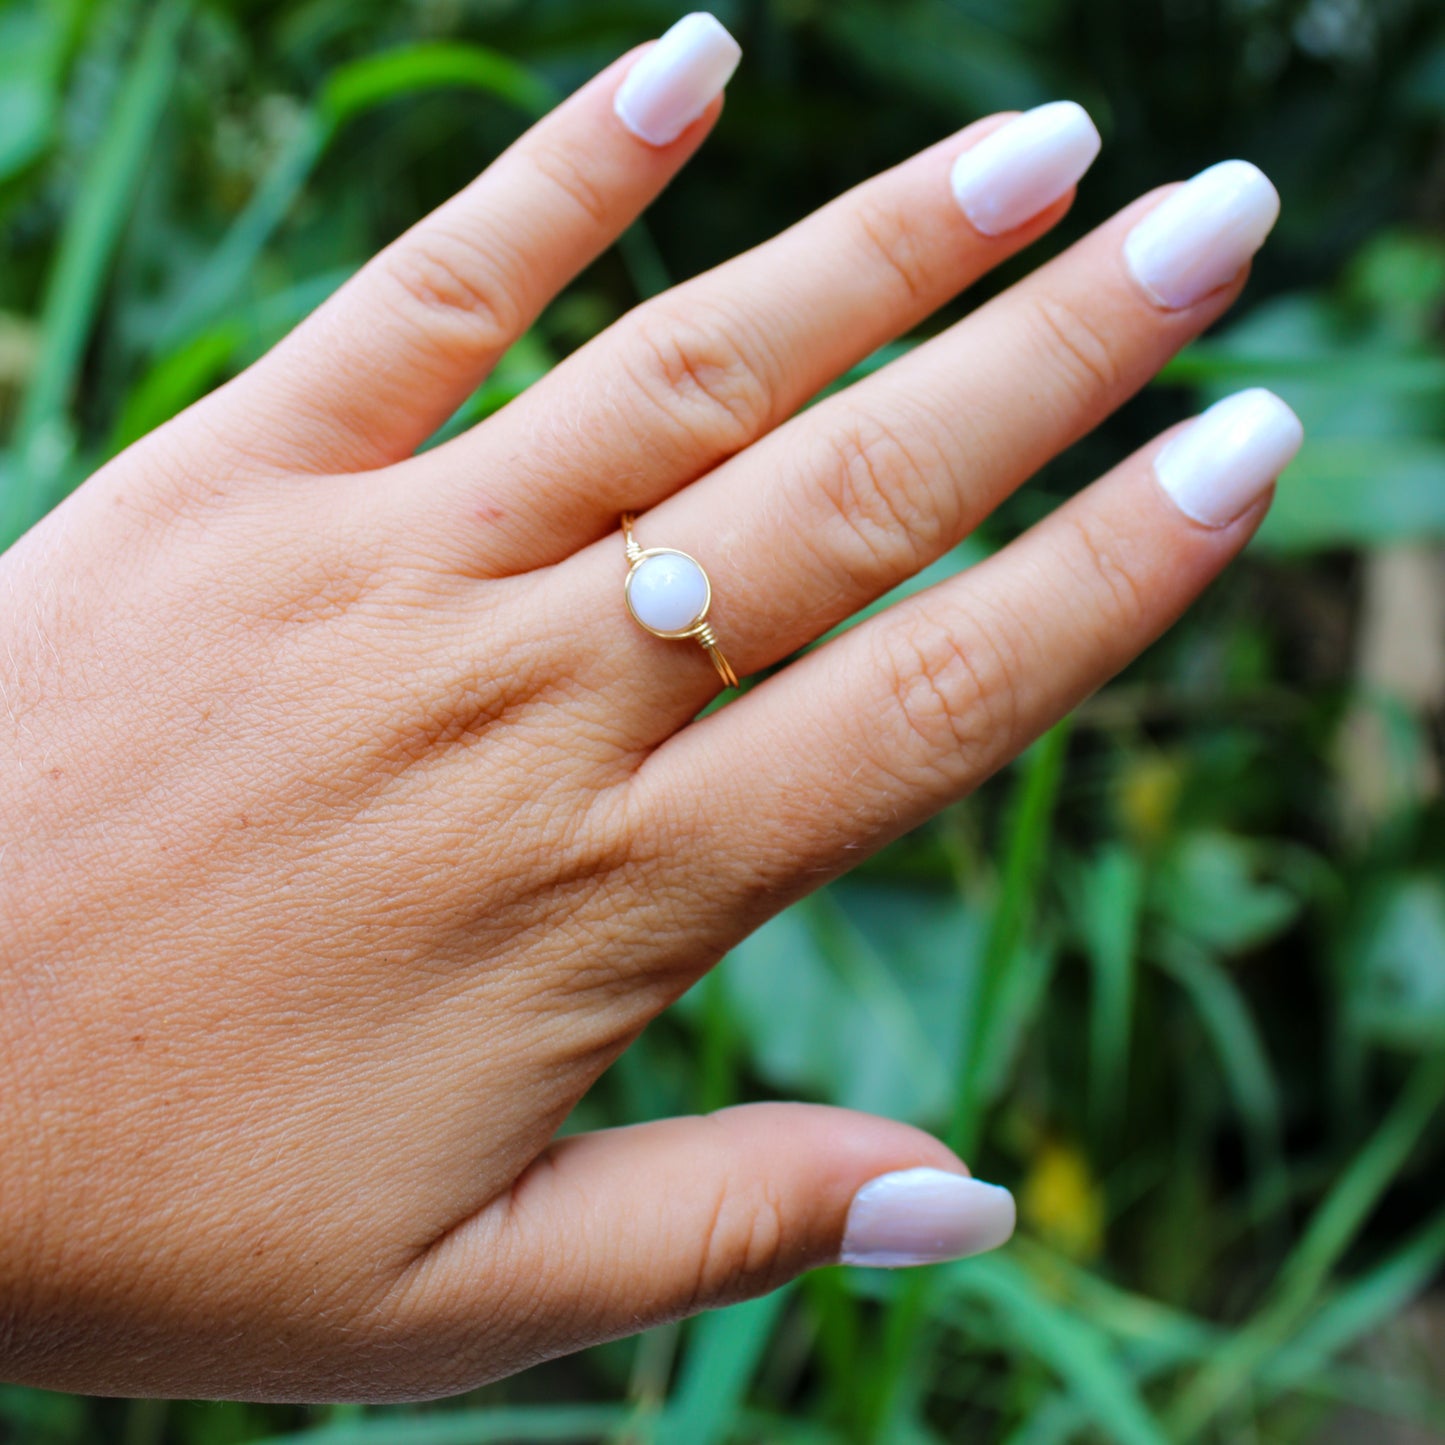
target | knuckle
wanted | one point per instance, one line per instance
(453, 291)
(743, 1249)
(895, 245)
(564, 169)
(705, 372)
(612, 834)
(1106, 576)
(1075, 341)
(955, 696)
(878, 487)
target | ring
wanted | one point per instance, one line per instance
(668, 595)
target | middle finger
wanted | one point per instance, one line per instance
(699, 372)
(859, 493)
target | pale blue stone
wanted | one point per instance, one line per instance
(668, 592)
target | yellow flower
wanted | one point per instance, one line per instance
(1061, 1202)
(1148, 792)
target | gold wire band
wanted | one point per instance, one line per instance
(629, 542)
(701, 631)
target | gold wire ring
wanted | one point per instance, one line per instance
(697, 626)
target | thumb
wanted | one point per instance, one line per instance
(612, 1232)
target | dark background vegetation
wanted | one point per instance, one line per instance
(1178, 977)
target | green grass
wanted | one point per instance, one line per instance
(1178, 976)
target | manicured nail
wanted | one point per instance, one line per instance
(1015, 172)
(920, 1216)
(1196, 239)
(1226, 457)
(674, 82)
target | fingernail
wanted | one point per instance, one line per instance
(674, 82)
(1196, 239)
(920, 1216)
(1012, 174)
(1226, 457)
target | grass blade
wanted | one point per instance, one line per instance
(1025, 853)
(1109, 903)
(904, 1354)
(1243, 1062)
(1157, 1338)
(559, 1424)
(717, 1370)
(196, 365)
(1330, 1232)
(351, 91)
(1206, 363)
(1071, 1348)
(373, 80)
(219, 281)
(88, 245)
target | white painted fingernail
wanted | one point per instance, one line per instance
(1225, 458)
(1196, 239)
(921, 1216)
(674, 82)
(1015, 172)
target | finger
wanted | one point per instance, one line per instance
(371, 374)
(611, 1233)
(915, 708)
(698, 373)
(863, 490)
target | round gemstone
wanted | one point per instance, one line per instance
(668, 592)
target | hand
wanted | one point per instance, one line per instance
(352, 827)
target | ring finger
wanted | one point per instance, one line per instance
(862, 491)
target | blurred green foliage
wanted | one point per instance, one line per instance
(1179, 977)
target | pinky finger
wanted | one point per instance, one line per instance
(890, 722)
(378, 367)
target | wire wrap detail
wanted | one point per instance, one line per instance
(701, 631)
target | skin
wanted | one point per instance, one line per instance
(352, 828)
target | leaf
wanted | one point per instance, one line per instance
(1423, 86)
(762, 1426)
(928, 940)
(1211, 887)
(193, 367)
(1155, 1339)
(936, 53)
(820, 1011)
(1359, 492)
(1398, 992)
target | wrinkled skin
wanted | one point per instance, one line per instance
(351, 828)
